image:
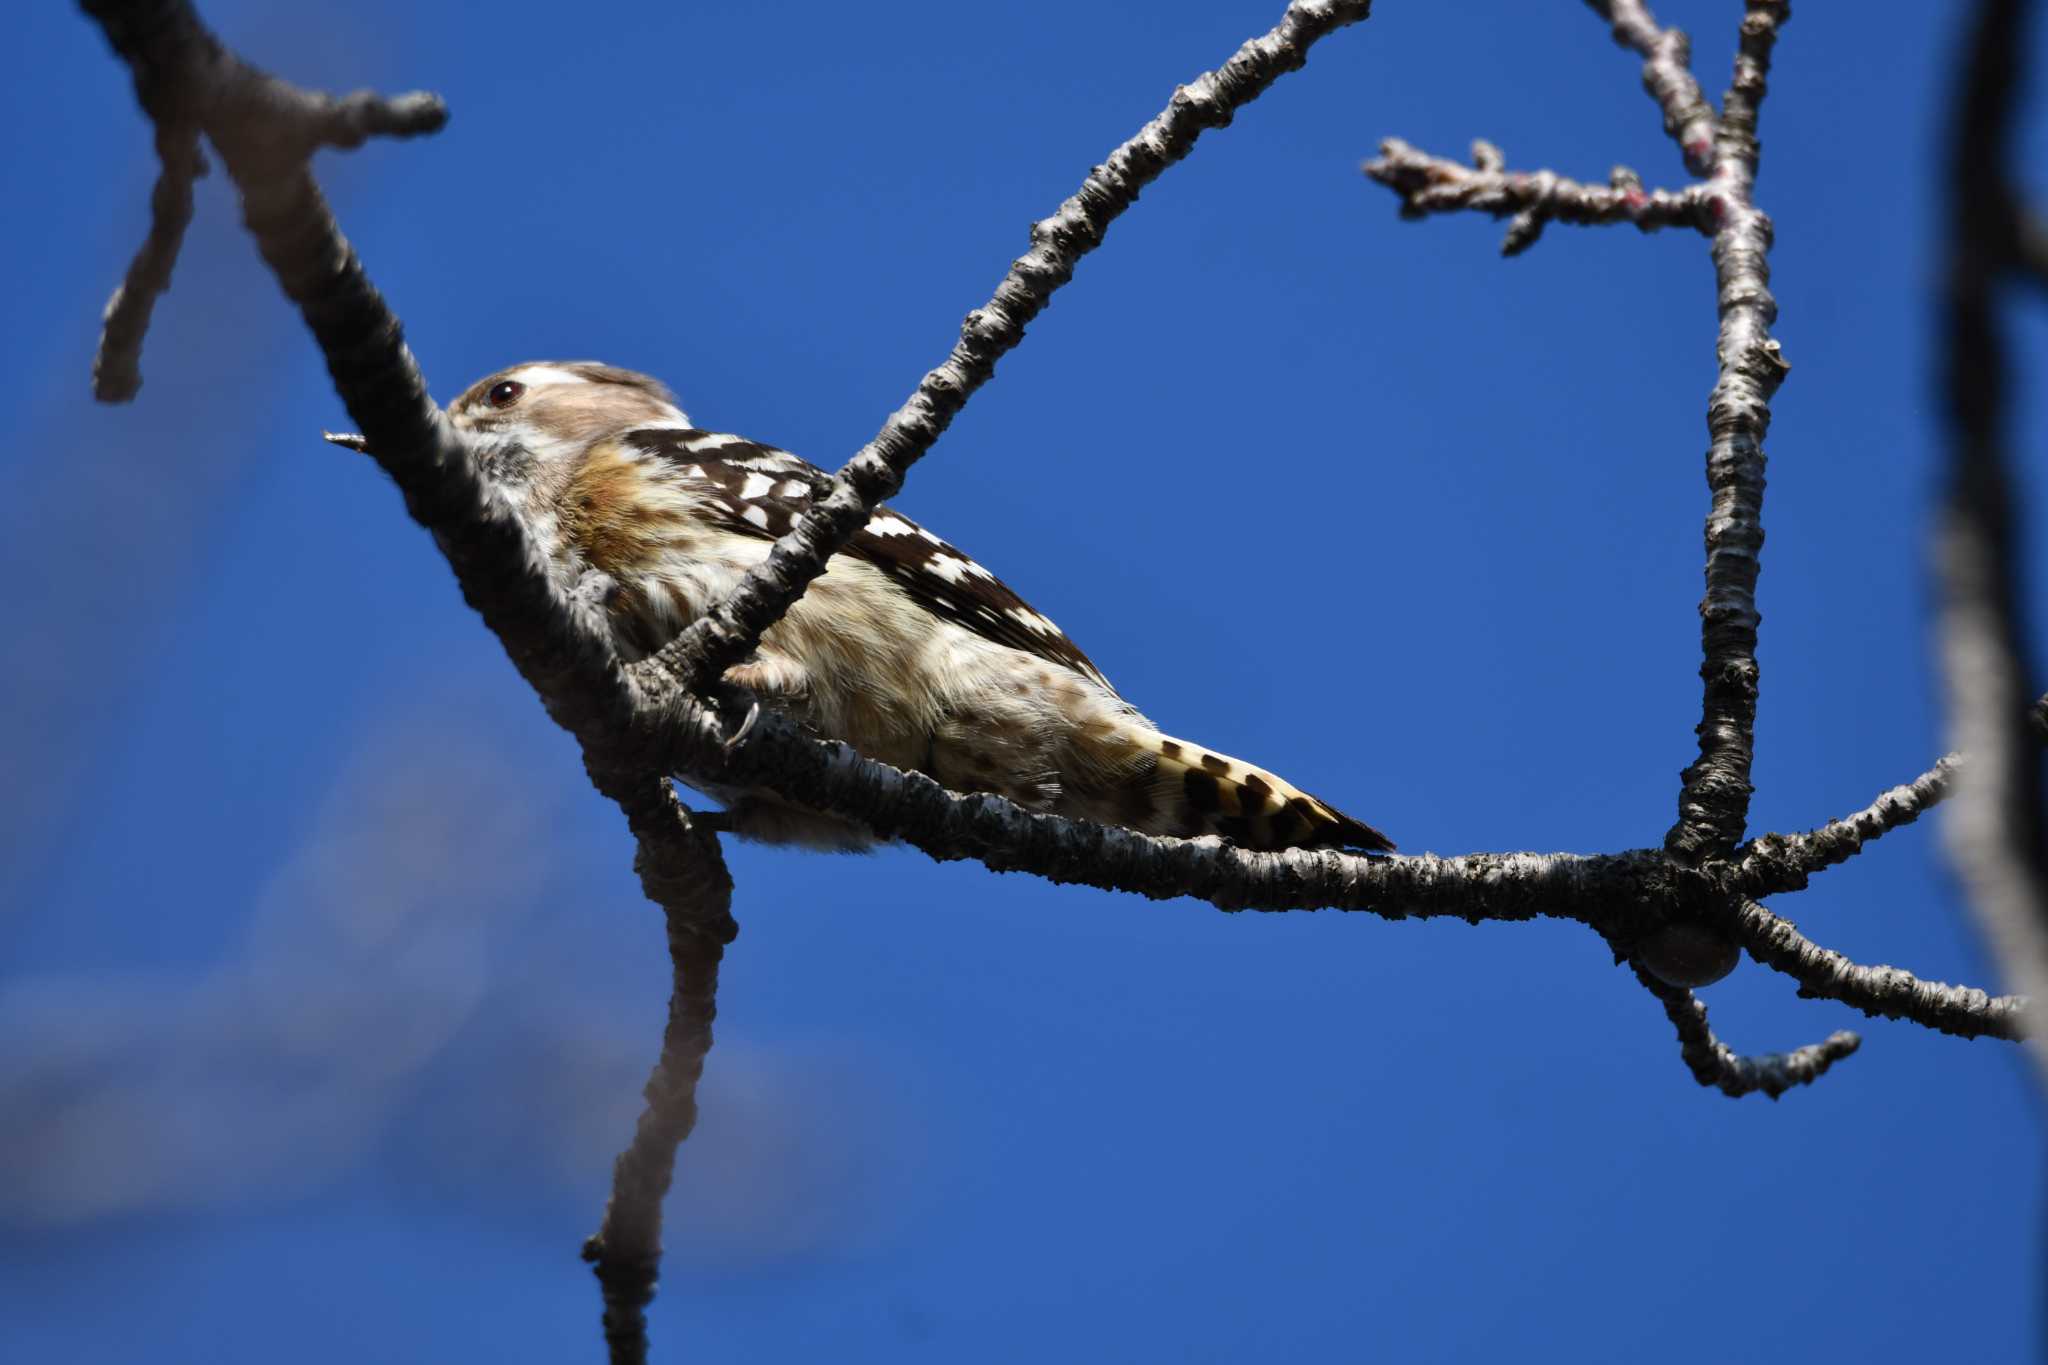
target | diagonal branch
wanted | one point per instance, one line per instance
(729, 632)
(1884, 992)
(1713, 1063)
(1774, 863)
(117, 365)
(266, 133)
(267, 130)
(1667, 75)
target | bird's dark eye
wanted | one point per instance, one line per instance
(504, 393)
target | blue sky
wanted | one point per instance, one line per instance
(326, 986)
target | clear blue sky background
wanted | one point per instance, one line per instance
(325, 985)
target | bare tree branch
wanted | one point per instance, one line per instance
(1885, 992)
(187, 82)
(1667, 75)
(1774, 863)
(1432, 184)
(1714, 1064)
(1714, 801)
(1714, 804)
(682, 870)
(117, 366)
(729, 632)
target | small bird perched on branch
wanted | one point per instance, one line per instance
(904, 648)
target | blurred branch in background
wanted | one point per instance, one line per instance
(115, 542)
(1995, 831)
(367, 1012)
(275, 1069)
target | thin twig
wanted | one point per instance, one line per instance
(117, 364)
(1772, 864)
(1667, 75)
(1885, 992)
(728, 632)
(352, 119)
(266, 130)
(1433, 184)
(1714, 801)
(1716, 1065)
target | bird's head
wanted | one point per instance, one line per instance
(538, 419)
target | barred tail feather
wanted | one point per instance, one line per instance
(1210, 793)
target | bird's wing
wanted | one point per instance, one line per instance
(761, 491)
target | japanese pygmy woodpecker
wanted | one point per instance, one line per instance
(904, 648)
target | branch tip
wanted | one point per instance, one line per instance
(1429, 184)
(1883, 992)
(117, 362)
(353, 119)
(1717, 1066)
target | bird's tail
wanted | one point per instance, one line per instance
(1212, 793)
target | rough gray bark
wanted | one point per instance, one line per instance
(1677, 914)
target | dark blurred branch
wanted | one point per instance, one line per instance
(117, 365)
(2030, 248)
(266, 131)
(1995, 833)
(1714, 1064)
